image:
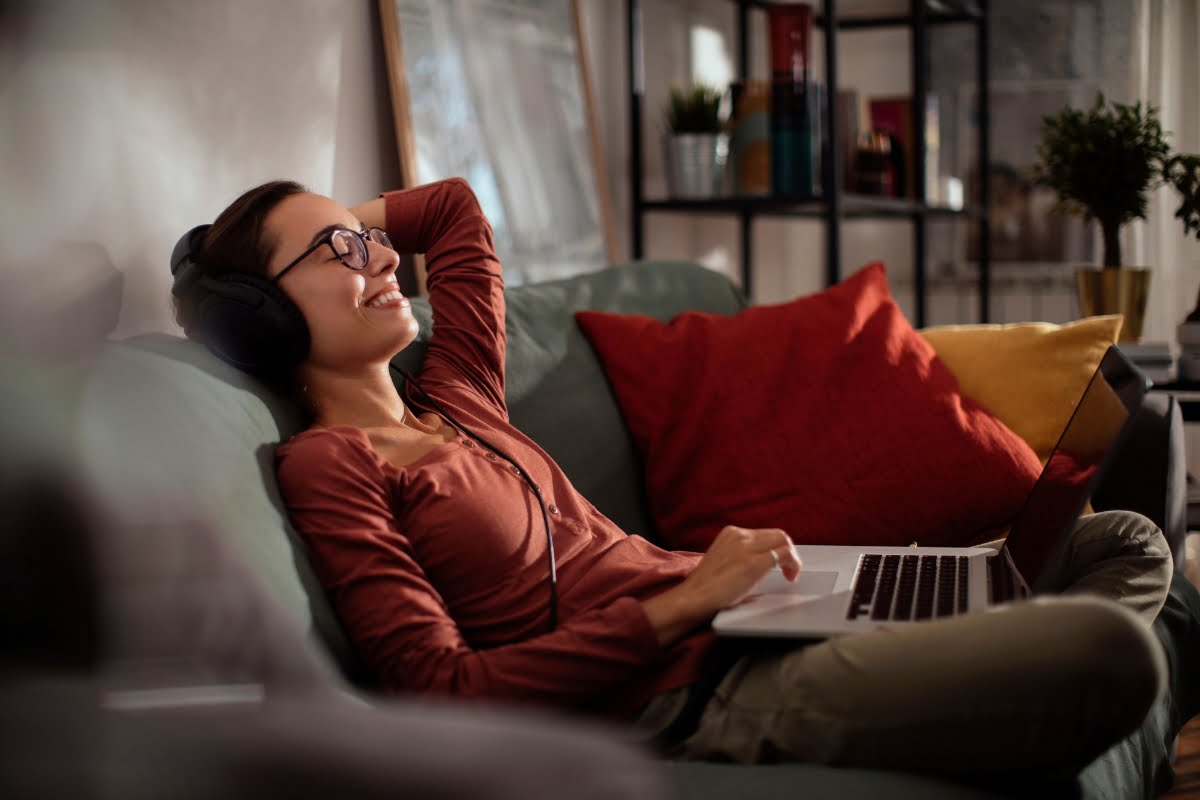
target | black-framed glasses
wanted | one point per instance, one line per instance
(349, 246)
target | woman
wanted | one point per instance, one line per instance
(462, 561)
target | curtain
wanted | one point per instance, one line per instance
(1167, 75)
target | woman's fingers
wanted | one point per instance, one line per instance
(777, 546)
(787, 561)
(765, 547)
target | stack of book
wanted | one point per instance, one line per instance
(1188, 334)
(796, 102)
(1154, 359)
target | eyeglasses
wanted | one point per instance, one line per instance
(349, 246)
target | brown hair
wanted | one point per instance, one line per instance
(236, 241)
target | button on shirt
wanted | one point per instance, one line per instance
(438, 569)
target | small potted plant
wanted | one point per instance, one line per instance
(1102, 162)
(696, 144)
(1182, 172)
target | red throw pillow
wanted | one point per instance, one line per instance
(827, 416)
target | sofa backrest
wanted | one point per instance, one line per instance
(172, 436)
(171, 433)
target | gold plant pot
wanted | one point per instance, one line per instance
(1115, 290)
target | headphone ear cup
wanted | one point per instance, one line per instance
(184, 270)
(249, 322)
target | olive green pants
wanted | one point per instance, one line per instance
(1040, 686)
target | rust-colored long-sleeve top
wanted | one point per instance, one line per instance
(438, 569)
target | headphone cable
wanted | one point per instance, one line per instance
(537, 491)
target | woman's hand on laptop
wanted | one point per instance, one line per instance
(735, 562)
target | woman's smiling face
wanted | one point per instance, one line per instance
(355, 317)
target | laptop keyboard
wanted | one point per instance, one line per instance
(909, 587)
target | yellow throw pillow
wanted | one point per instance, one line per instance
(1029, 374)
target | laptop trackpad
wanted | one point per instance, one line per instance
(809, 582)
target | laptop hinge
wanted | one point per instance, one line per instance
(1023, 589)
(1005, 581)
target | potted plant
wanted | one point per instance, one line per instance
(1102, 162)
(1182, 172)
(696, 144)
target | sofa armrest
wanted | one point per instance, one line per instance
(74, 744)
(1149, 472)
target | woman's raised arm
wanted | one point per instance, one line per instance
(443, 220)
(372, 214)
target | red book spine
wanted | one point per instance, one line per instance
(790, 25)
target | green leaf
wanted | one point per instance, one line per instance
(695, 110)
(1102, 162)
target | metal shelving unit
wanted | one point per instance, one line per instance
(834, 205)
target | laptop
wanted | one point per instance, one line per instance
(848, 589)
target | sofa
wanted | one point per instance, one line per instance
(171, 439)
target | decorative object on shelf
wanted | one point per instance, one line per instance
(750, 137)
(872, 165)
(696, 144)
(1102, 162)
(950, 192)
(499, 92)
(795, 102)
(893, 117)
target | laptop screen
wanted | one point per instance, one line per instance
(1039, 534)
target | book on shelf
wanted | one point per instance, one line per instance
(1154, 359)
(769, 156)
(750, 137)
(1148, 352)
(795, 102)
(847, 134)
(1158, 374)
(933, 149)
(795, 138)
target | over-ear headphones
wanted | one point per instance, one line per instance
(245, 320)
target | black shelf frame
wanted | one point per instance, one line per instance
(834, 205)
(853, 205)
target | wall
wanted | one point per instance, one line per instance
(123, 123)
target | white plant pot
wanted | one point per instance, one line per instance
(696, 164)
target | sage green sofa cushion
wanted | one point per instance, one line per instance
(173, 436)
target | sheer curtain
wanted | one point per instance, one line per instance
(1167, 75)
